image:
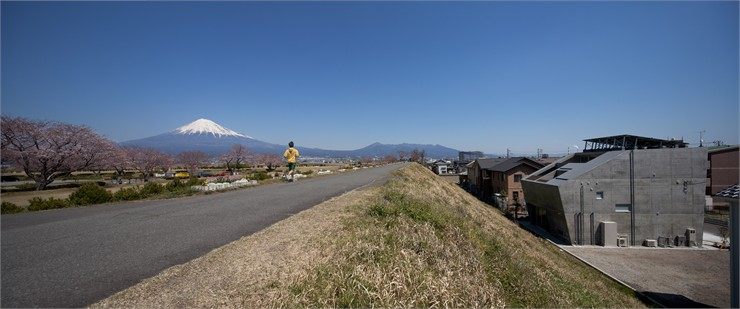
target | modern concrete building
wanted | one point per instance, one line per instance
(650, 188)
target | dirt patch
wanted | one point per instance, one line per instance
(675, 277)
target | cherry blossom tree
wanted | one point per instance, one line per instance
(192, 160)
(147, 161)
(46, 150)
(237, 155)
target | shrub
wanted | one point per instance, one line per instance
(259, 176)
(38, 203)
(151, 188)
(174, 185)
(10, 208)
(127, 194)
(90, 193)
(194, 181)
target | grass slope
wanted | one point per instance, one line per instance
(416, 241)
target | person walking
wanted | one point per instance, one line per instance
(291, 154)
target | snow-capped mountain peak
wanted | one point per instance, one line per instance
(205, 126)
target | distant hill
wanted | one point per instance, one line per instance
(212, 138)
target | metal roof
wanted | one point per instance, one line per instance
(731, 192)
(627, 141)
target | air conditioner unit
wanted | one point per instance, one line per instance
(690, 237)
(622, 242)
(650, 243)
(664, 242)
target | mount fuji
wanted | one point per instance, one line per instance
(210, 137)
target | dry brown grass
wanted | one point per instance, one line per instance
(417, 241)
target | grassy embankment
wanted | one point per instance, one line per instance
(416, 241)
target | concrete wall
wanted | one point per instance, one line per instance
(669, 195)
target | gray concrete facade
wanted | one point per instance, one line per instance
(649, 193)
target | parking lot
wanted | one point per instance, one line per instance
(679, 277)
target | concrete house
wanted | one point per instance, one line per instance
(622, 190)
(507, 175)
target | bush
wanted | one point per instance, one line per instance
(259, 176)
(174, 185)
(38, 203)
(90, 193)
(194, 181)
(127, 194)
(10, 208)
(151, 188)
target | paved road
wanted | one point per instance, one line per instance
(75, 257)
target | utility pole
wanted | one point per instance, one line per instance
(701, 137)
(539, 153)
(508, 153)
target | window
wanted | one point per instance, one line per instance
(599, 195)
(622, 208)
(516, 195)
(517, 178)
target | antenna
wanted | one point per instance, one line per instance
(701, 137)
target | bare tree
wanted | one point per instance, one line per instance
(192, 160)
(390, 159)
(237, 155)
(402, 155)
(47, 150)
(147, 161)
(417, 156)
(269, 160)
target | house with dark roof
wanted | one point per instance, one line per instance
(479, 177)
(506, 177)
(622, 189)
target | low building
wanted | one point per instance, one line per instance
(479, 177)
(649, 188)
(506, 178)
(465, 158)
(441, 167)
(724, 169)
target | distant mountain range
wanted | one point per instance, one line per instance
(212, 138)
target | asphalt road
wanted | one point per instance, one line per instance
(75, 257)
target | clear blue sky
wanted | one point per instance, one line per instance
(339, 75)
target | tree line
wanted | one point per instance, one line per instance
(47, 150)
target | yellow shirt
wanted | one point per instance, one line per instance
(291, 154)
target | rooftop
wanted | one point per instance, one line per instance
(627, 141)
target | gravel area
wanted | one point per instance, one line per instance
(674, 277)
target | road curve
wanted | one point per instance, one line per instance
(75, 257)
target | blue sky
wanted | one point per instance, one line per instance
(341, 75)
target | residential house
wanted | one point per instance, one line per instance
(506, 178)
(723, 168)
(441, 167)
(645, 188)
(479, 177)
